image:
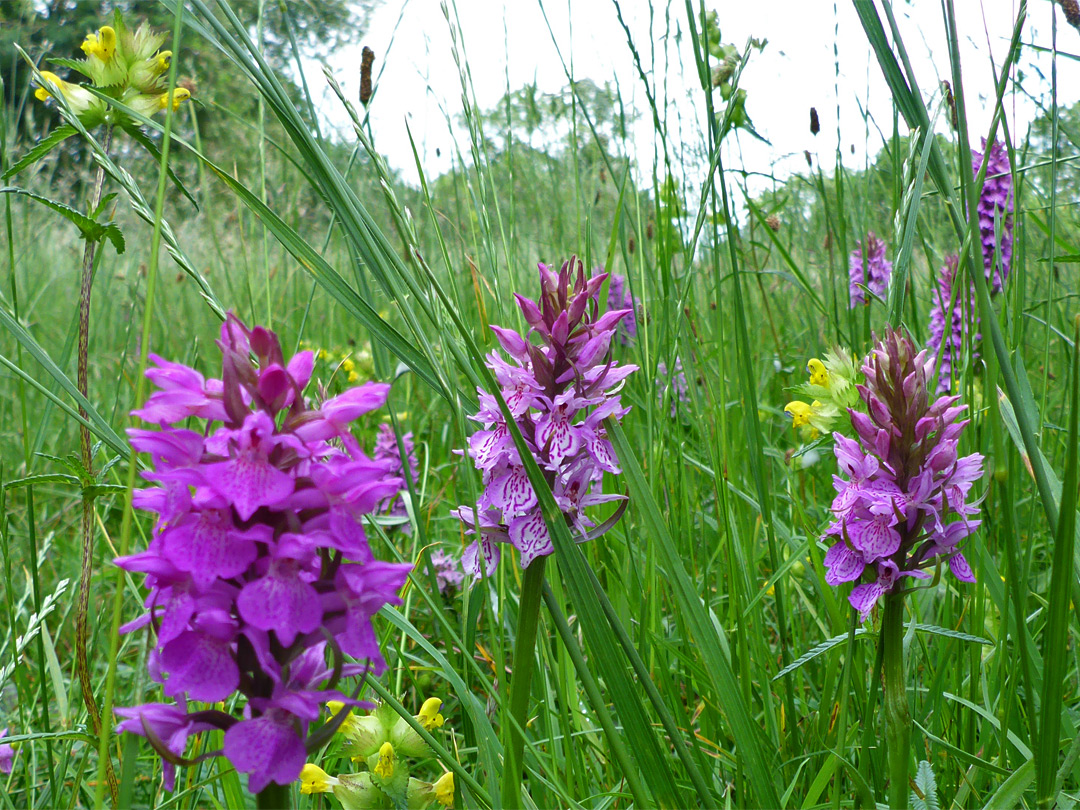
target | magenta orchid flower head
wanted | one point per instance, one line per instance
(902, 502)
(559, 392)
(259, 568)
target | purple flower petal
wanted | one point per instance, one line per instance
(958, 564)
(268, 748)
(200, 665)
(864, 597)
(282, 602)
(844, 564)
(529, 535)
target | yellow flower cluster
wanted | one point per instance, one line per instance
(126, 65)
(831, 385)
(382, 740)
(357, 366)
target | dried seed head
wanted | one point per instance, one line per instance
(1071, 10)
(815, 125)
(630, 244)
(809, 161)
(367, 59)
(773, 222)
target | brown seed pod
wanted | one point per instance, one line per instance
(630, 244)
(815, 125)
(809, 160)
(367, 59)
(946, 88)
(649, 230)
(1071, 10)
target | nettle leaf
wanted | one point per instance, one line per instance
(89, 228)
(41, 149)
(924, 796)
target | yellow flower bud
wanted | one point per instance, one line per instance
(385, 766)
(429, 716)
(314, 779)
(444, 789)
(348, 364)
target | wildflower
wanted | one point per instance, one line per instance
(258, 567)
(868, 268)
(314, 779)
(995, 211)
(832, 384)
(619, 297)
(387, 450)
(548, 389)
(126, 65)
(447, 570)
(83, 103)
(947, 329)
(429, 716)
(903, 505)
(7, 755)
(444, 789)
(385, 766)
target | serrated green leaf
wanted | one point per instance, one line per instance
(41, 149)
(819, 649)
(89, 229)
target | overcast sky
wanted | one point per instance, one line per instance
(507, 41)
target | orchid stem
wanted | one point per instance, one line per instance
(521, 683)
(895, 701)
(273, 797)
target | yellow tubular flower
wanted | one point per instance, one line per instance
(385, 766)
(819, 375)
(163, 60)
(799, 413)
(444, 789)
(314, 779)
(102, 44)
(42, 93)
(429, 716)
(180, 94)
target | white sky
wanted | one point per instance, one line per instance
(508, 40)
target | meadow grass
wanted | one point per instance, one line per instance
(694, 656)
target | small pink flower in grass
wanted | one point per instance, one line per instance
(259, 566)
(549, 389)
(903, 506)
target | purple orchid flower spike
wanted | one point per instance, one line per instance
(995, 212)
(901, 505)
(868, 267)
(259, 566)
(559, 392)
